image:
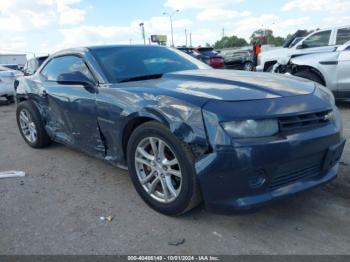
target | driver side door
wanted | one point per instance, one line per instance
(71, 113)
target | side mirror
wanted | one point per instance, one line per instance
(75, 78)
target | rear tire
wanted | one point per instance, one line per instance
(183, 193)
(31, 126)
(248, 66)
(310, 76)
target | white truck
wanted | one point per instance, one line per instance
(325, 40)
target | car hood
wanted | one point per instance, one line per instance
(199, 86)
(231, 85)
(274, 54)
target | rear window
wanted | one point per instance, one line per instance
(207, 51)
(343, 36)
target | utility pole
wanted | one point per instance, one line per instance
(186, 35)
(190, 39)
(223, 32)
(142, 25)
(171, 24)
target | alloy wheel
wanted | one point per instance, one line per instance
(28, 126)
(158, 169)
(248, 67)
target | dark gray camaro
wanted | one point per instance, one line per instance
(186, 132)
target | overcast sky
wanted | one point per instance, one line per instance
(48, 25)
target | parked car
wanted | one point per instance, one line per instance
(33, 64)
(330, 69)
(189, 51)
(209, 56)
(240, 59)
(185, 131)
(7, 79)
(325, 40)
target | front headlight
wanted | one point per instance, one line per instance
(251, 128)
(325, 94)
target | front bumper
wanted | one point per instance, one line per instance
(244, 176)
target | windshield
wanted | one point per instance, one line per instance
(123, 63)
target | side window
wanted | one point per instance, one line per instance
(343, 36)
(65, 65)
(318, 39)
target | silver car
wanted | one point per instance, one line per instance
(7, 79)
(331, 69)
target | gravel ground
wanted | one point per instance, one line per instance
(56, 209)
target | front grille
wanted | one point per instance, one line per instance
(304, 121)
(290, 177)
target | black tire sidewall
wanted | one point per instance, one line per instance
(182, 202)
(42, 138)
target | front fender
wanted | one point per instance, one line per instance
(184, 120)
(119, 109)
(324, 64)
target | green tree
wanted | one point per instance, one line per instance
(265, 36)
(230, 41)
(261, 36)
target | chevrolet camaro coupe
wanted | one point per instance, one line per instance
(186, 133)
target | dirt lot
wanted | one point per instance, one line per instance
(56, 209)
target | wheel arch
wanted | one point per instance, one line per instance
(137, 119)
(180, 127)
(268, 64)
(311, 69)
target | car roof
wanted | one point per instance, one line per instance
(114, 46)
(82, 50)
(331, 28)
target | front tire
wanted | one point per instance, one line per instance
(31, 126)
(162, 169)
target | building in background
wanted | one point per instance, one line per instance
(13, 59)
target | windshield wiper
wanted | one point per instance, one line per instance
(140, 78)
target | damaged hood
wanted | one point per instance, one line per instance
(225, 85)
(231, 85)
